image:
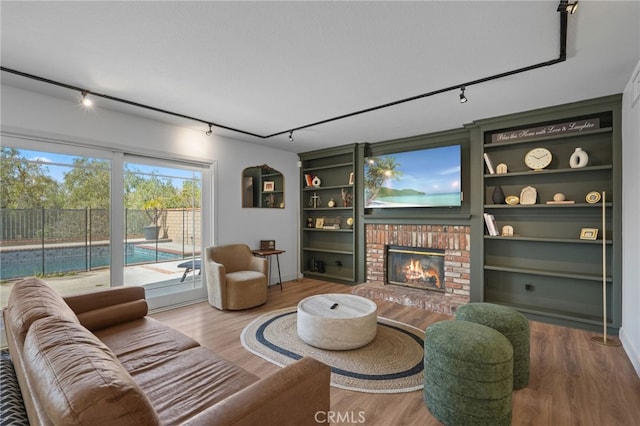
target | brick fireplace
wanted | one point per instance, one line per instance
(453, 239)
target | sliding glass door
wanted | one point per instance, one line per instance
(83, 219)
(163, 228)
(55, 219)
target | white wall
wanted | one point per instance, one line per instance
(45, 116)
(34, 114)
(630, 331)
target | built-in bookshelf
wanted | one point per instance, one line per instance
(546, 258)
(328, 219)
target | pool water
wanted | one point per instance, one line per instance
(26, 263)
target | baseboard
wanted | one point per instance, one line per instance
(632, 352)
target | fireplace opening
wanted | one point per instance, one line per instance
(415, 267)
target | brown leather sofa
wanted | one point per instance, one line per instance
(98, 359)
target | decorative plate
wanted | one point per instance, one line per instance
(593, 197)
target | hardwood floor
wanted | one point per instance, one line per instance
(574, 381)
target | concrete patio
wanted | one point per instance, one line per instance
(158, 278)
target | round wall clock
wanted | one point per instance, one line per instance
(538, 158)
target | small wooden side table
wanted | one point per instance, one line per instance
(268, 253)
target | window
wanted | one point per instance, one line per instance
(64, 208)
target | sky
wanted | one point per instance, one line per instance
(59, 164)
(431, 170)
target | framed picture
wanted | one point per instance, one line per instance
(319, 222)
(268, 186)
(588, 233)
(351, 178)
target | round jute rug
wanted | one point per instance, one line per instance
(391, 363)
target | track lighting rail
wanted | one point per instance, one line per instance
(562, 9)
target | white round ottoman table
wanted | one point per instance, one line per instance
(337, 321)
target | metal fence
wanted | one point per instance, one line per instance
(37, 226)
(46, 226)
(43, 241)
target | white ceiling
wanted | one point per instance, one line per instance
(267, 67)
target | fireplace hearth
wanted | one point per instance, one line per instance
(454, 240)
(415, 267)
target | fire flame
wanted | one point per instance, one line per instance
(414, 272)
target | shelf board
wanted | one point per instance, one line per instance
(545, 239)
(545, 206)
(332, 166)
(548, 171)
(323, 275)
(553, 313)
(320, 188)
(550, 138)
(587, 277)
(321, 250)
(326, 208)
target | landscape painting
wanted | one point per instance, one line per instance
(420, 178)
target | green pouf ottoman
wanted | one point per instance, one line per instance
(468, 376)
(509, 322)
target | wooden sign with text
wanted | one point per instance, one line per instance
(548, 130)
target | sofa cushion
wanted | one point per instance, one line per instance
(78, 380)
(184, 384)
(32, 299)
(114, 314)
(144, 341)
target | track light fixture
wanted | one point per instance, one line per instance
(565, 6)
(463, 98)
(86, 101)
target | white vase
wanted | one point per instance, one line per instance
(578, 159)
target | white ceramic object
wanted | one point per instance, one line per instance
(316, 181)
(578, 159)
(528, 195)
(351, 324)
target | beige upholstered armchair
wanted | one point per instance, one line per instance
(236, 279)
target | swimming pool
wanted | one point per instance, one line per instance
(26, 263)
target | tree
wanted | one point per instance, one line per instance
(88, 184)
(25, 184)
(379, 170)
(142, 190)
(151, 194)
(189, 195)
